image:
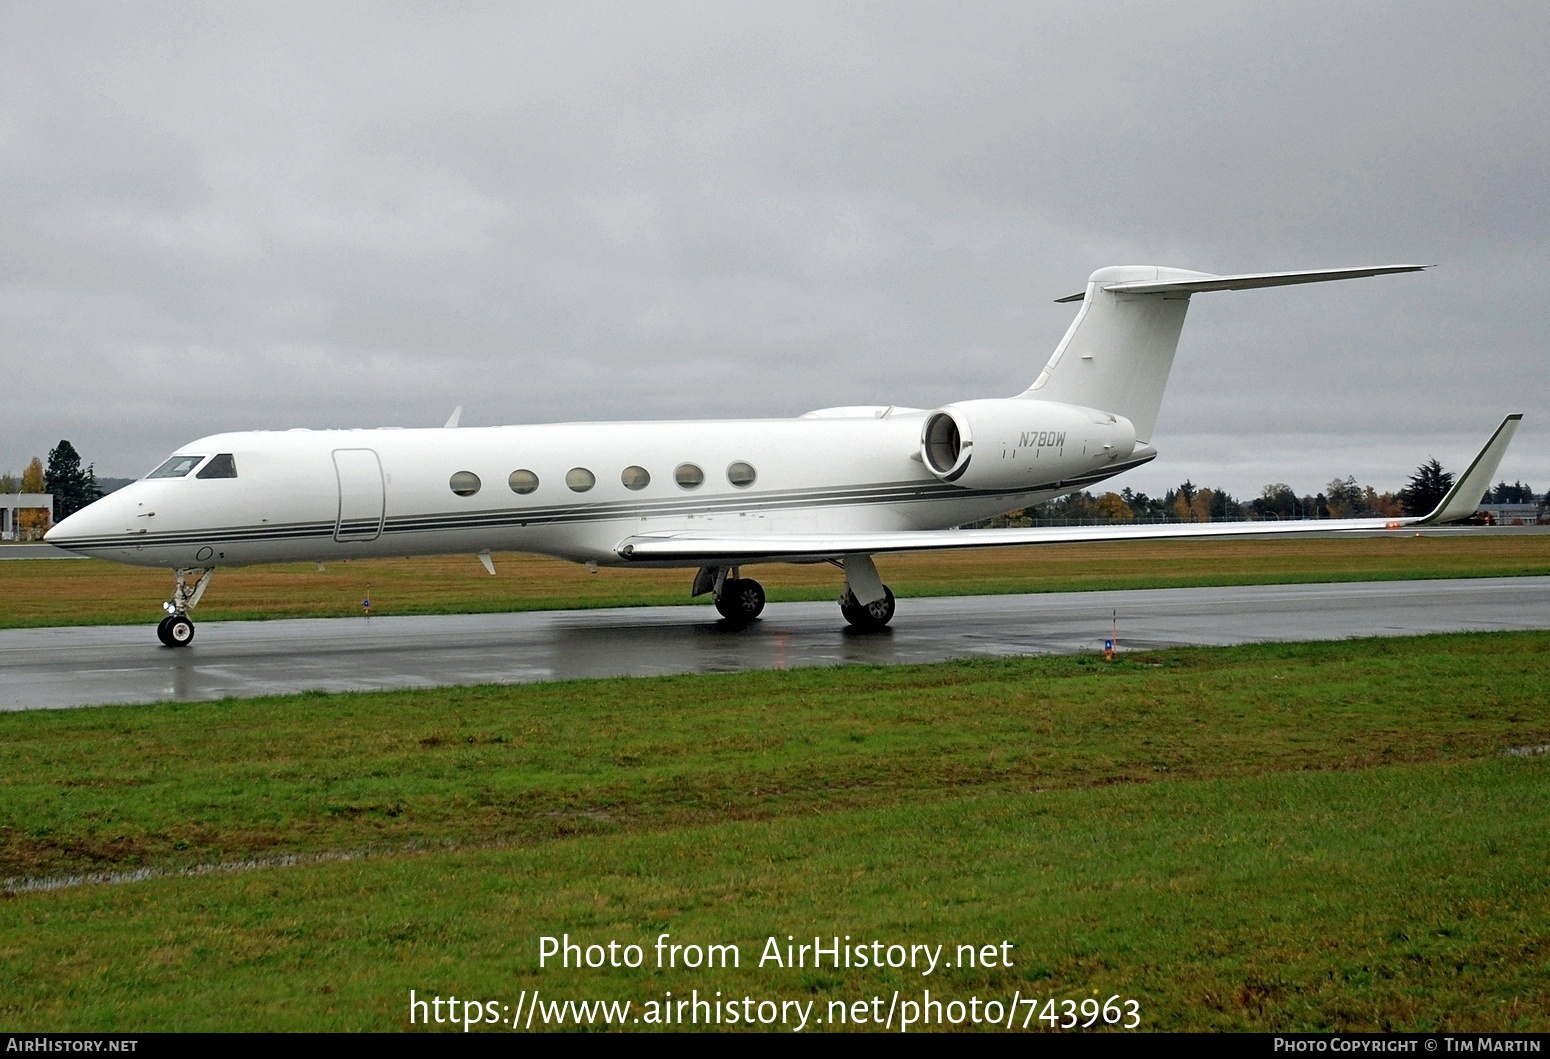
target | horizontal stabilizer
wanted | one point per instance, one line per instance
(1202, 282)
(1119, 349)
(1258, 279)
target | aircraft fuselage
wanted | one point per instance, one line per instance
(324, 495)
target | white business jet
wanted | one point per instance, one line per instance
(838, 485)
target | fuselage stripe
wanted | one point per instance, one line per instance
(604, 511)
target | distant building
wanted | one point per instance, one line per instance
(1510, 514)
(11, 503)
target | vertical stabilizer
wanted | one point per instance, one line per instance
(1118, 351)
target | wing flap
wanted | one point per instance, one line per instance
(775, 548)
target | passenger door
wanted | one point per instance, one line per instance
(362, 497)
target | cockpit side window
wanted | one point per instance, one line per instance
(222, 466)
(177, 467)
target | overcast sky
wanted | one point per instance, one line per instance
(218, 217)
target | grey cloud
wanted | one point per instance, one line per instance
(272, 215)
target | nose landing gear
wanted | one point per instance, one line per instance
(177, 628)
(174, 631)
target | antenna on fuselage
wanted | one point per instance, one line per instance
(457, 413)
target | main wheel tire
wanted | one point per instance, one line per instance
(180, 631)
(850, 608)
(741, 599)
(872, 615)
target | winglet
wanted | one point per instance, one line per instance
(1464, 497)
(457, 413)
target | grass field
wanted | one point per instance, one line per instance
(1275, 836)
(90, 592)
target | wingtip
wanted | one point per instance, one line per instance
(1476, 478)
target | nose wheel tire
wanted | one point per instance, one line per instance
(872, 615)
(741, 600)
(175, 631)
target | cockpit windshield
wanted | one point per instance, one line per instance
(177, 467)
(220, 466)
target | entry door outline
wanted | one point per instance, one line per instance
(362, 495)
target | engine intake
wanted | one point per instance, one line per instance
(944, 447)
(1019, 443)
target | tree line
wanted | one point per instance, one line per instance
(1187, 502)
(73, 487)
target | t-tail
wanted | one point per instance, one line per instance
(1118, 351)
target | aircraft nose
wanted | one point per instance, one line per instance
(104, 518)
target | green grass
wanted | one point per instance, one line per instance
(1408, 898)
(1275, 836)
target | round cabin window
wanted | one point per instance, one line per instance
(635, 477)
(688, 476)
(580, 479)
(741, 474)
(465, 483)
(523, 482)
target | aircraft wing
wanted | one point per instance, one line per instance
(712, 549)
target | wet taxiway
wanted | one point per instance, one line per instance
(50, 668)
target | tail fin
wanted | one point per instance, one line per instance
(1118, 351)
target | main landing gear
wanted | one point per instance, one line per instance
(738, 599)
(862, 583)
(177, 628)
(866, 602)
(867, 616)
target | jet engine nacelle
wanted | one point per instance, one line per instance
(1015, 442)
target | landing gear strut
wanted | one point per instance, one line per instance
(177, 628)
(862, 582)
